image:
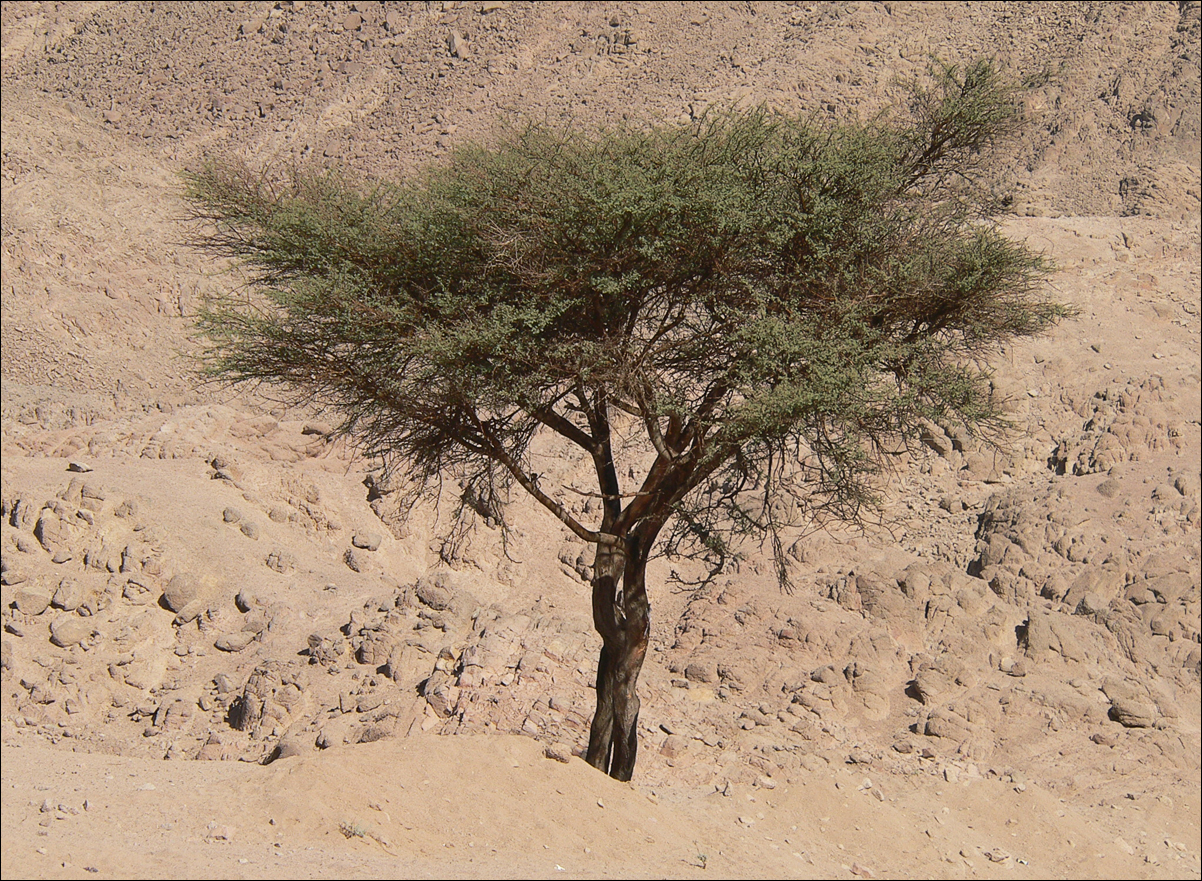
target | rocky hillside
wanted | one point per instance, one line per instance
(193, 575)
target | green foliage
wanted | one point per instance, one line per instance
(778, 302)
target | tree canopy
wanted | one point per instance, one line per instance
(775, 301)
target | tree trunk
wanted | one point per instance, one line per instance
(622, 616)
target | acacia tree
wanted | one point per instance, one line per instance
(775, 303)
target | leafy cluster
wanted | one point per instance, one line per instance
(775, 301)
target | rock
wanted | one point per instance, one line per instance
(76, 465)
(91, 492)
(250, 529)
(881, 597)
(280, 560)
(696, 672)
(33, 599)
(39, 693)
(936, 438)
(456, 45)
(128, 508)
(235, 642)
(69, 595)
(73, 493)
(1103, 583)
(256, 621)
(231, 515)
(229, 473)
(190, 612)
(368, 541)
(1091, 604)
(14, 576)
(271, 700)
(174, 715)
(557, 752)
(1165, 492)
(372, 733)
(212, 750)
(1050, 633)
(143, 673)
(434, 592)
(325, 651)
(247, 599)
(70, 629)
(408, 663)
(354, 560)
(181, 590)
(219, 832)
(440, 694)
(942, 722)
(952, 504)
(322, 428)
(291, 745)
(365, 703)
(25, 543)
(1187, 484)
(52, 531)
(674, 746)
(138, 593)
(336, 732)
(986, 469)
(1129, 705)
(1012, 666)
(1164, 623)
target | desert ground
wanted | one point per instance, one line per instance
(227, 652)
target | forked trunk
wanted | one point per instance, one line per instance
(621, 615)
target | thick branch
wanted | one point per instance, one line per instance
(563, 426)
(603, 458)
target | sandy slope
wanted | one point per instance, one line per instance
(495, 807)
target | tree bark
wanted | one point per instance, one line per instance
(622, 616)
